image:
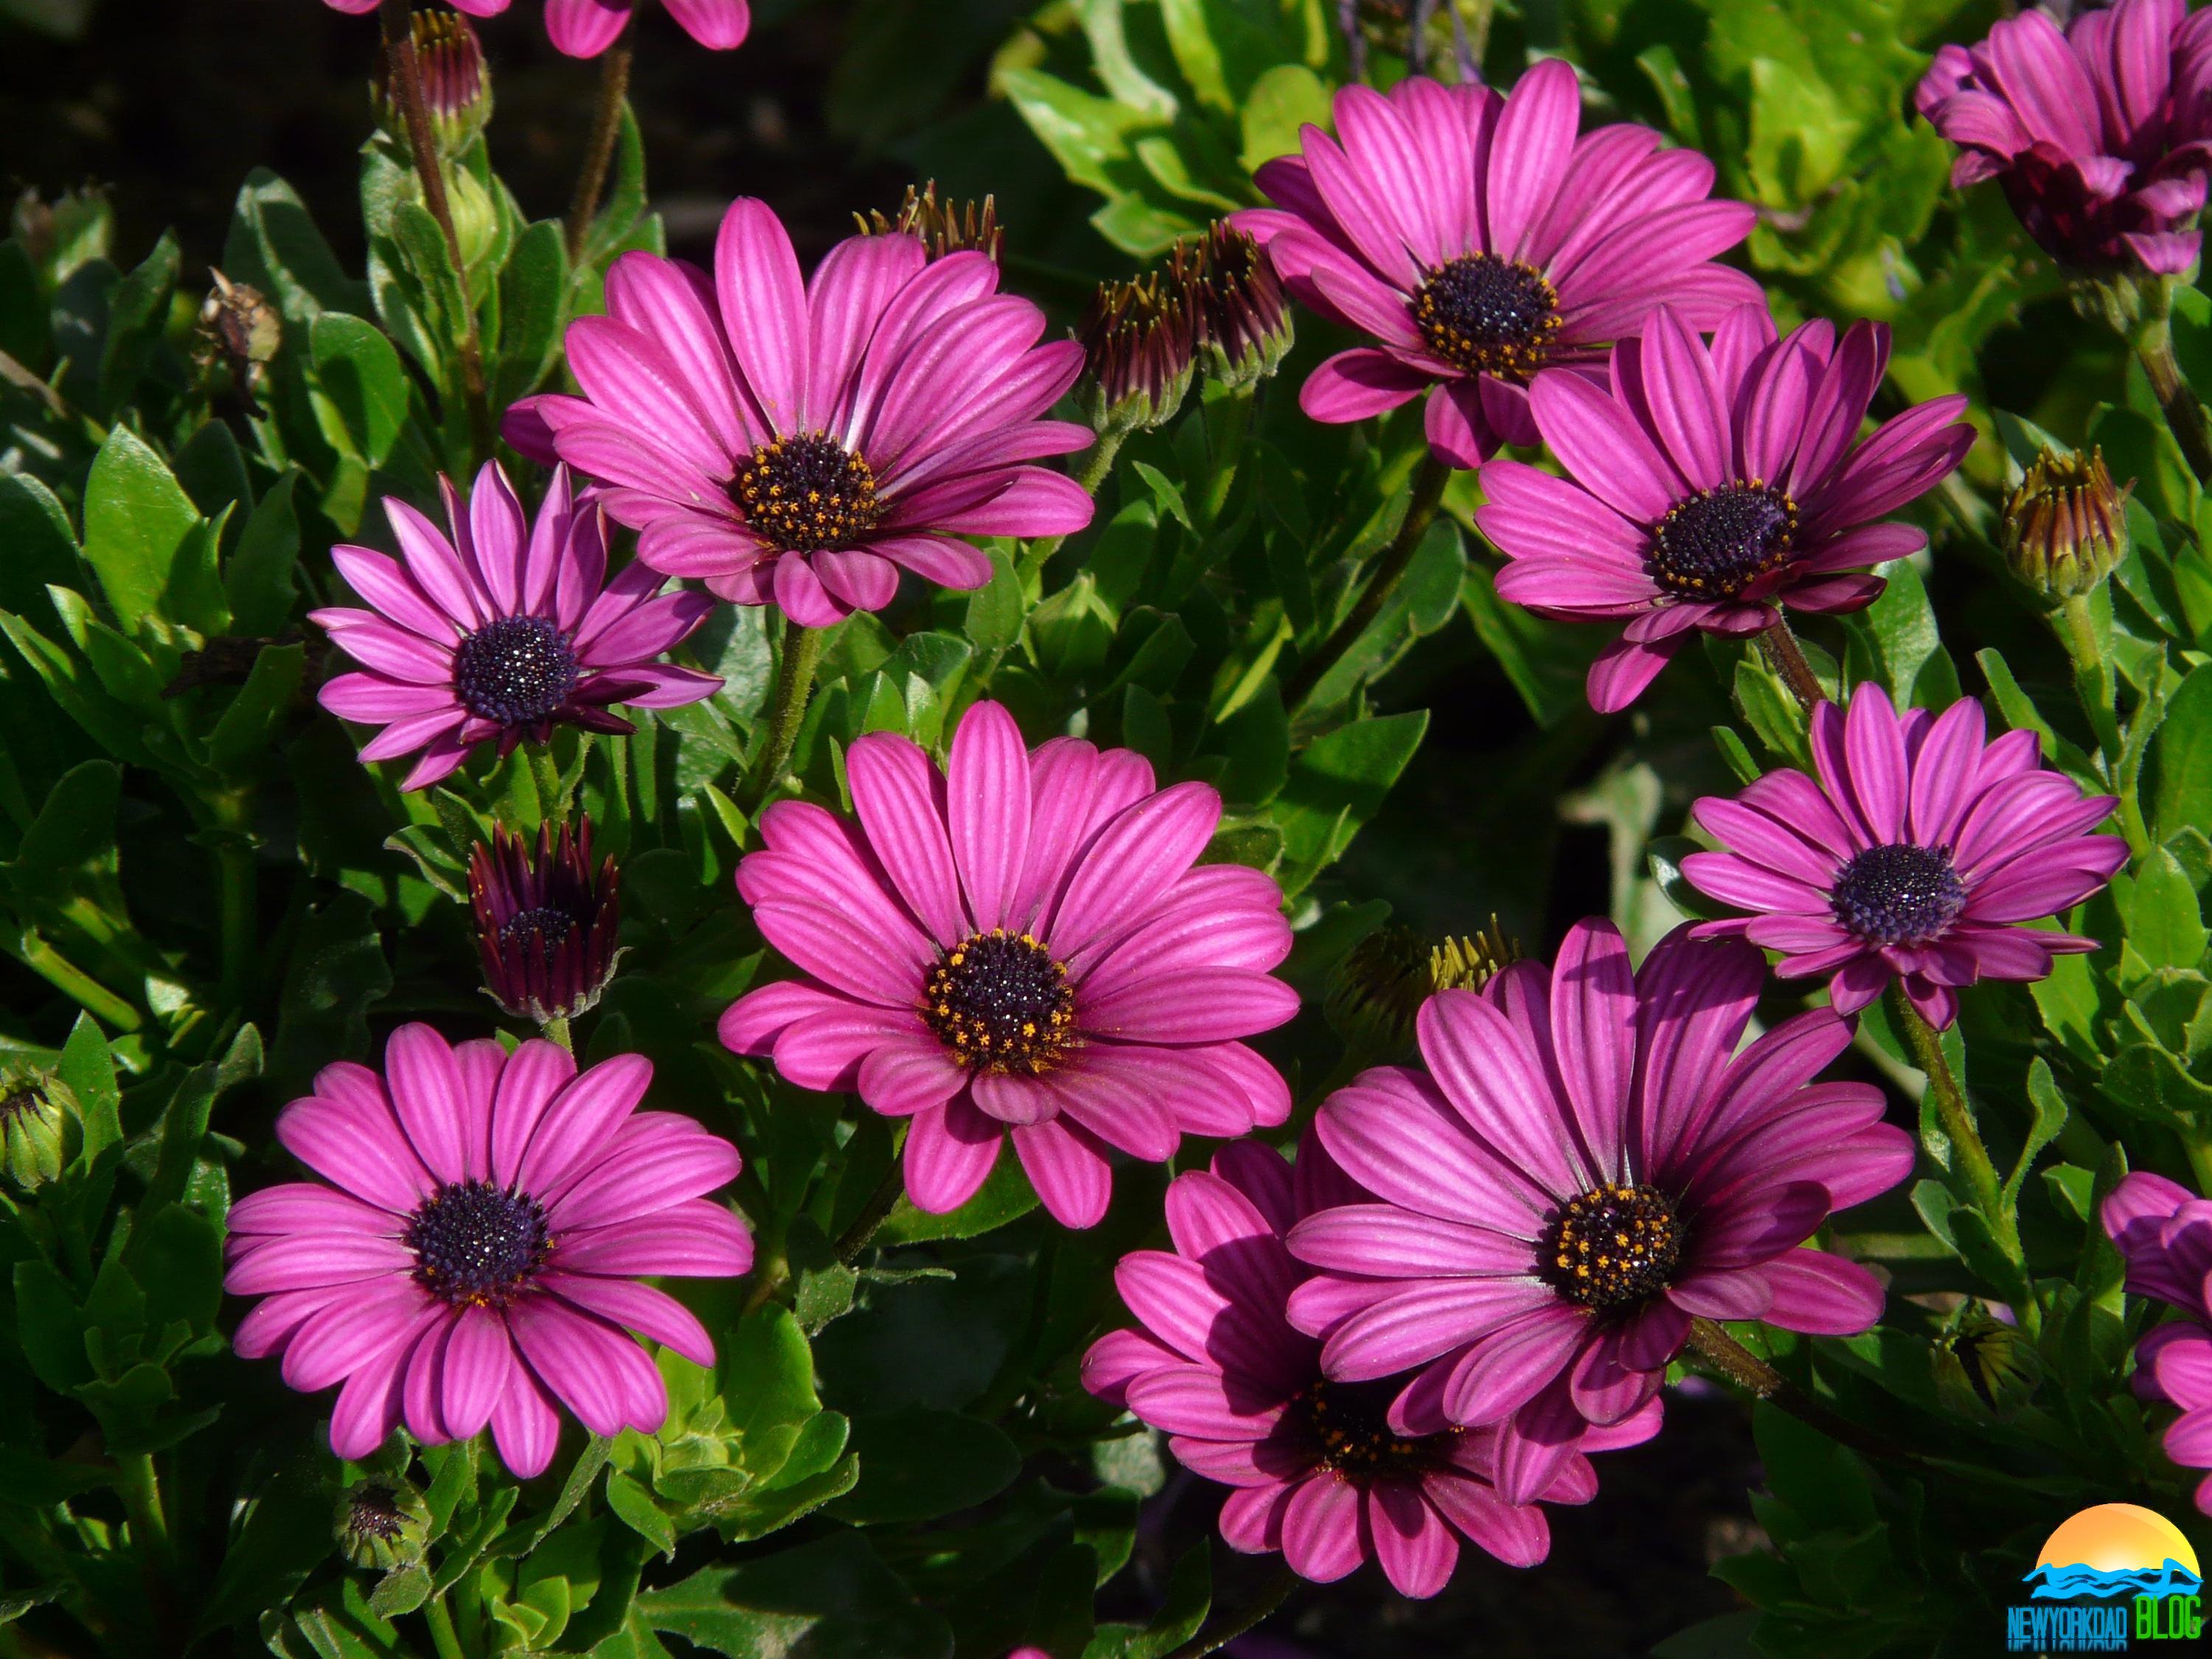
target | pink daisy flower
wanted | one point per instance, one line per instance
(1023, 942)
(472, 1252)
(1584, 1165)
(1711, 487)
(585, 28)
(2165, 1232)
(1913, 858)
(1477, 239)
(802, 441)
(2097, 134)
(506, 630)
(1316, 1470)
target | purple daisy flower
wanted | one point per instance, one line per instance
(1584, 1165)
(585, 28)
(2098, 135)
(1317, 1472)
(802, 441)
(1479, 239)
(2165, 1232)
(1710, 487)
(1023, 942)
(1914, 857)
(505, 631)
(472, 1253)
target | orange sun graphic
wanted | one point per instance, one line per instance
(2117, 1537)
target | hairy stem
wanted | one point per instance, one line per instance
(854, 1238)
(443, 1636)
(2184, 415)
(1710, 1343)
(1957, 1117)
(1389, 571)
(1212, 1637)
(1097, 462)
(800, 652)
(140, 1489)
(407, 85)
(552, 794)
(555, 1029)
(606, 128)
(1786, 658)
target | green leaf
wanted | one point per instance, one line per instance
(634, 1507)
(2159, 906)
(184, 1124)
(1894, 641)
(274, 245)
(362, 376)
(243, 738)
(917, 1464)
(72, 841)
(89, 1068)
(1189, 1598)
(258, 576)
(1085, 134)
(830, 1599)
(137, 312)
(532, 290)
(2181, 758)
(41, 545)
(337, 969)
(1285, 99)
(1006, 1196)
(1337, 784)
(145, 540)
(2049, 1118)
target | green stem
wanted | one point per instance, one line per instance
(1231, 419)
(443, 1636)
(1710, 1343)
(1097, 462)
(407, 83)
(236, 878)
(1786, 658)
(1957, 1118)
(794, 677)
(2184, 415)
(606, 128)
(1428, 495)
(1213, 1638)
(49, 964)
(2094, 684)
(139, 1487)
(854, 1238)
(555, 1029)
(552, 794)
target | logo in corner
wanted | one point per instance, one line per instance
(2111, 1575)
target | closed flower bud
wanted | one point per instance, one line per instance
(946, 227)
(1140, 345)
(456, 83)
(1244, 320)
(1376, 993)
(2065, 524)
(39, 1131)
(476, 221)
(545, 924)
(381, 1522)
(1984, 1368)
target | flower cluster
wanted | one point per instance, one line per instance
(2165, 1232)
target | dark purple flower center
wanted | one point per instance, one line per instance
(477, 1244)
(1485, 315)
(1352, 1422)
(1000, 1002)
(539, 931)
(808, 492)
(1612, 1246)
(1718, 541)
(1899, 895)
(374, 1511)
(514, 670)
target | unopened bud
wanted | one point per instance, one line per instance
(1139, 346)
(1244, 320)
(38, 1128)
(2065, 524)
(381, 1522)
(1984, 1368)
(456, 83)
(1376, 993)
(946, 227)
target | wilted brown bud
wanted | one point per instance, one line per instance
(239, 332)
(2065, 524)
(946, 227)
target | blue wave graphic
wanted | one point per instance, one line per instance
(2085, 1584)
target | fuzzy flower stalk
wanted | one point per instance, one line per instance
(471, 1251)
(1712, 486)
(1315, 1469)
(498, 629)
(1478, 239)
(1021, 946)
(1914, 855)
(1581, 1166)
(801, 441)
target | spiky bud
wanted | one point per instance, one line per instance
(2065, 524)
(545, 924)
(1984, 1368)
(1244, 320)
(38, 1128)
(945, 227)
(381, 1522)
(1140, 346)
(1376, 993)
(456, 83)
